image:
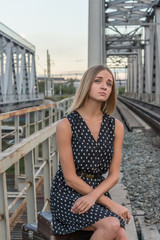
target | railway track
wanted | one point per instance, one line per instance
(148, 112)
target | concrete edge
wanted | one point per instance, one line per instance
(119, 195)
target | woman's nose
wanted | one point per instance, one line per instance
(104, 86)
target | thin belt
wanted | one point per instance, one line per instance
(88, 175)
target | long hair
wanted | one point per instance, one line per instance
(84, 87)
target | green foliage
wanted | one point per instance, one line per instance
(56, 88)
(66, 88)
(11, 169)
(121, 90)
(41, 86)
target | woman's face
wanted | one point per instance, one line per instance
(101, 87)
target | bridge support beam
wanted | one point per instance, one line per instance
(135, 74)
(140, 75)
(157, 89)
(31, 192)
(47, 171)
(96, 33)
(4, 214)
(149, 50)
(130, 75)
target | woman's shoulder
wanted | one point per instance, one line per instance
(119, 127)
(66, 121)
(116, 121)
(63, 124)
(70, 115)
(116, 124)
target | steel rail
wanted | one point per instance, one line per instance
(143, 110)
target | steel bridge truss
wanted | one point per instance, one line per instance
(132, 29)
(18, 82)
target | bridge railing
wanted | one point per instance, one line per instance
(16, 125)
(28, 149)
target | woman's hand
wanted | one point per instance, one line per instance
(83, 204)
(121, 211)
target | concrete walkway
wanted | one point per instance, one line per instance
(119, 195)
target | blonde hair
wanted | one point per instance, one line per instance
(84, 87)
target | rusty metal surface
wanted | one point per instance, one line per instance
(24, 111)
(31, 109)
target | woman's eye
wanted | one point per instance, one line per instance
(97, 81)
(109, 84)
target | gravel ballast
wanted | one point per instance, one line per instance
(141, 173)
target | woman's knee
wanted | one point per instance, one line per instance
(121, 235)
(108, 224)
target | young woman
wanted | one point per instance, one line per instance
(89, 143)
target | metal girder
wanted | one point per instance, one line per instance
(124, 12)
(123, 42)
(134, 12)
(132, 31)
(17, 39)
(18, 82)
(127, 5)
(122, 53)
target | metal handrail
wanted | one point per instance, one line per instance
(7, 115)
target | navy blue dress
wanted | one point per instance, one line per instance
(90, 157)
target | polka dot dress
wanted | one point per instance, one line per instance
(90, 157)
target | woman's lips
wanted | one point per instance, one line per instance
(102, 93)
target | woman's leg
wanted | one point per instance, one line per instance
(121, 234)
(105, 229)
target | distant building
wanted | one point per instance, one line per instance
(120, 83)
(56, 80)
(76, 83)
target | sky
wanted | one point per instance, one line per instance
(61, 26)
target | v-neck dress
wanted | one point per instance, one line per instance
(92, 158)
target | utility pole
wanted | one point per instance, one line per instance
(52, 84)
(60, 89)
(45, 83)
(48, 74)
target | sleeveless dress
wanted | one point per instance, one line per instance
(92, 158)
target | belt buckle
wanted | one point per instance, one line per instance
(87, 175)
(82, 174)
(90, 176)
